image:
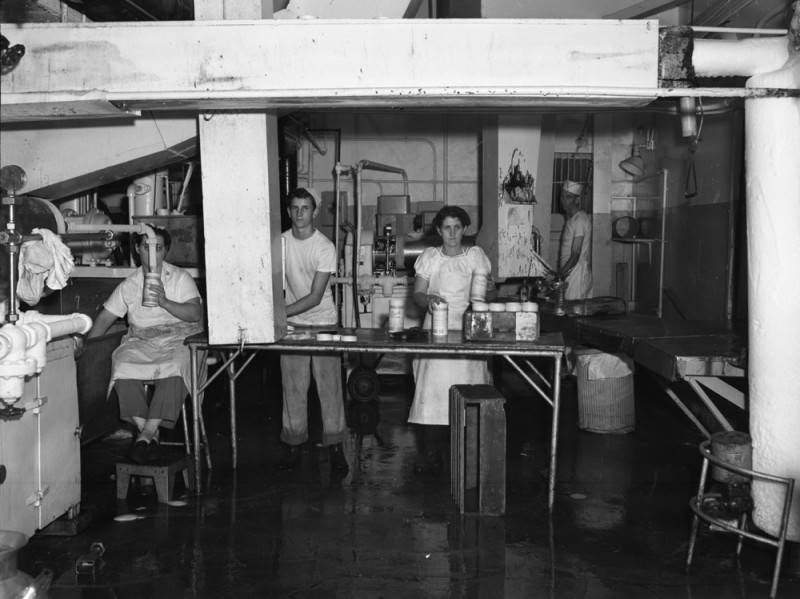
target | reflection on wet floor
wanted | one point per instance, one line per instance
(620, 525)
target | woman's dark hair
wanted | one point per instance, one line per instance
(159, 231)
(453, 212)
(301, 192)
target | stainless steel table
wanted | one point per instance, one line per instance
(697, 352)
(517, 353)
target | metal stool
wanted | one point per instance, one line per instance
(162, 473)
(148, 386)
(700, 504)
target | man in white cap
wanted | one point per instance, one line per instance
(310, 260)
(576, 244)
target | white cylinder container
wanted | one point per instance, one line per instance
(477, 292)
(397, 310)
(439, 320)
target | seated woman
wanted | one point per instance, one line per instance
(444, 274)
(153, 350)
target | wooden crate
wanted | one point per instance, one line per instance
(478, 449)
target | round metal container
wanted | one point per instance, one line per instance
(735, 448)
(625, 227)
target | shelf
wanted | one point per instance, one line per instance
(121, 272)
(636, 198)
(635, 240)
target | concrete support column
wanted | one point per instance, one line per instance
(772, 155)
(510, 163)
(241, 213)
(602, 255)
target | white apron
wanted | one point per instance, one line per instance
(156, 352)
(579, 282)
(435, 376)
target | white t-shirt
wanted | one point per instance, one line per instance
(303, 259)
(127, 297)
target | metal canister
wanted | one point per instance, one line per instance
(439, 319)
(735, 448)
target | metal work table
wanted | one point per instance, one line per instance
(548, 345)
(697, 352)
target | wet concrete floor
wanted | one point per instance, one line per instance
(619, 528)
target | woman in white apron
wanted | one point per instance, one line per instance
(444, 273)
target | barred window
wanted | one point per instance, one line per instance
(572, 166)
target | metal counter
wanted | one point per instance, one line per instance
(517, 353)
(695, 351)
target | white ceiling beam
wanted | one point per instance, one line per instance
(258, 64)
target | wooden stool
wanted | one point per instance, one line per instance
(163, 475)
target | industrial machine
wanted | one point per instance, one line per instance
(381, 268)
(40, 432)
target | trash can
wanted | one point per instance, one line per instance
(605, 392)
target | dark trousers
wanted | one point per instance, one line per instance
(168, 397)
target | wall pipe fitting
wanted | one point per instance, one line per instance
(688, 110)
(713, 58)
(59, 325)
(16, 364)
(23, 347)
(338, 169)
(141, 228)
(387, 283)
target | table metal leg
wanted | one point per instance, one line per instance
(232, 399)
(551, 485)
(195, 420)
(710, 405)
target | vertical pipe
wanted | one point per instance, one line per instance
(232, 399)
(12, 265)
(356, 245)
(732, 211)
(198, 476)
(336, 291)
(663, 242)
(551, 484)
(445, 160)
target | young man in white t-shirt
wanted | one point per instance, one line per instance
(310, 259)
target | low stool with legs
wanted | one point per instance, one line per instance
(163, 471)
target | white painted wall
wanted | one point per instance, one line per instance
(61, 151)
(422, 144)
(568, 9)
(552, 9)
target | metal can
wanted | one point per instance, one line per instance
(439, 319)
